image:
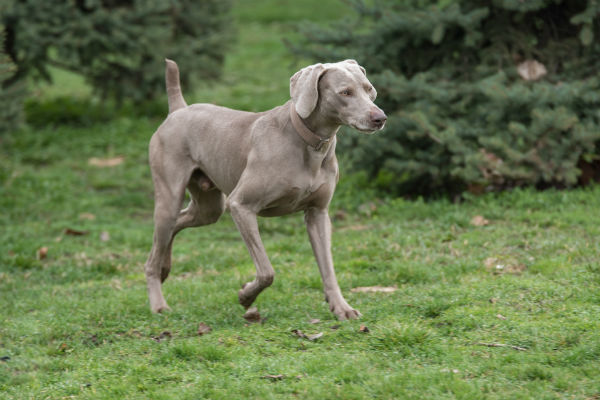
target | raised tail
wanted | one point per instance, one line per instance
(174, 95)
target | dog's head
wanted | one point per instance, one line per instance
(339, 90)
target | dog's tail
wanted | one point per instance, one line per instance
(174, 95)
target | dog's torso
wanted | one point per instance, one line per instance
(282, 174)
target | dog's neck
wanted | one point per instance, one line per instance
(318, 137)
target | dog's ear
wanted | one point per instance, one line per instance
(304, 88)
(354, 62)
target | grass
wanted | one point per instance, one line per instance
(76, 323)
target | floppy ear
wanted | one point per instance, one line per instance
(304, 88)
(354, 62)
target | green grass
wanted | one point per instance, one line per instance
(76, 324)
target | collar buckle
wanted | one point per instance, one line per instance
(322, 142)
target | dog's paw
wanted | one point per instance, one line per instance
(158, 304)
(160, 308)
(246, 297)
(344, 311)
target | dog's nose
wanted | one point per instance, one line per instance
(378, 117)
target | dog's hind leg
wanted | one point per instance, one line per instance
(169, 189)
(205, 208)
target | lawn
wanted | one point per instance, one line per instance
(497, 297)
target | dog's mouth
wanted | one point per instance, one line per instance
(369, 130)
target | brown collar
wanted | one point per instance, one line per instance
(311, 138)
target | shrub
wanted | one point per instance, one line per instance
(11, 92)
(479, 95)
(119, 46)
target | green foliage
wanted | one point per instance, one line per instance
(460, 112)
(76, 322)
(11, 92)
(119, 45)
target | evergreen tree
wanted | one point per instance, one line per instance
(119, 46)
(11, 93)
(479, 94)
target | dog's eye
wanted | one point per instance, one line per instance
(346, 92)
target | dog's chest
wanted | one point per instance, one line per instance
(304, 190)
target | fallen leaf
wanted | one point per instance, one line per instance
(299, 333)
(273, 377)
(518, 348)
(315, 336)
(500, 316)
(367, 289)
(493, 300)
(75, 232)
(367, 208)
(489, 262)
(252, 315)
(363, 329)
(516, 268)
(42, 253)
(478, 220)
(88, 216)
(454, 371)
(62, 347)
(314, 321)
(164, 335)
(106, 162)
(116, 283)
(340, 215)
(355, 228)
(335, 327)
(203, 328)
(531, 70)
(507, 265)
(104, 236)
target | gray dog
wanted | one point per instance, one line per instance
(271, 163)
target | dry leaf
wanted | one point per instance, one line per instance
(478, 220)
(252, 315)
(104, 236)
(314, 321)
(504, 266)
(531, 70)
(363, 329)
(273, 377)
(203, 328)
(75, 232)
(88, 216)
(335, 327)
(42, 253)
(301, 334)
(454, 371)
(383, 289)
(106, 162)
(340, 215)
(500, 316)
(298, 333)
(164, 335)
(518, 348)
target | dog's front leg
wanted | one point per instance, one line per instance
(245, 220)
(318, 226)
